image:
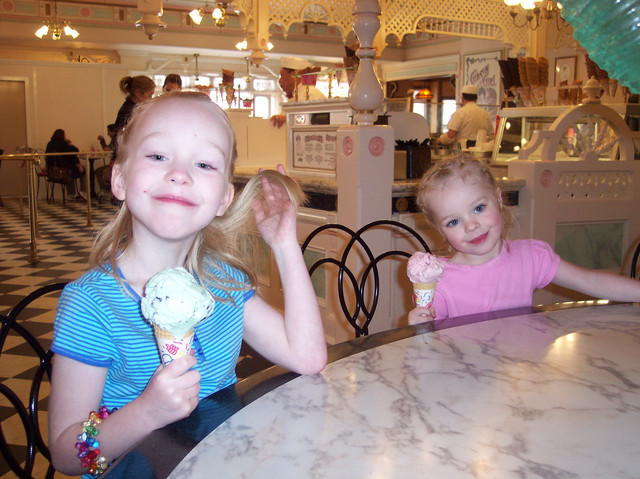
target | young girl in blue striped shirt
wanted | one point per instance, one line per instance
(173, 174)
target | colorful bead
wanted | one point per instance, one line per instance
(87, 445)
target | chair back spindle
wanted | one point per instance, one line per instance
(27, 409)
(364, 308)
(634, 262)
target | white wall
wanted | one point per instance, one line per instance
(79, 98)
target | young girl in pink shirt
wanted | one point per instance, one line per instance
(487, 272)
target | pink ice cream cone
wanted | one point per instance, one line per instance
(424, 271)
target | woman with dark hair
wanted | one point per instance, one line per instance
(172, 82)
(61, 144)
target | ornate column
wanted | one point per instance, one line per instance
(365, 152)
(365, 155)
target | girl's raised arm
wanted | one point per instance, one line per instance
(294, 340)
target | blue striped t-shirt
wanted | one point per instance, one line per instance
(98, 324)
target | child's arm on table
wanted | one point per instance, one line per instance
(295, 341)
(599, 284)
(76, 390)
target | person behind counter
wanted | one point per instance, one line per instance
(290, 68)
(466, 121)
(138, 89)
(486, 271)
(172, 82)
(173, 174)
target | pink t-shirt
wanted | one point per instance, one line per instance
(507, 281)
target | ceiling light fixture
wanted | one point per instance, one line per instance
(535, 11)
(56, 28)
(218, 13)
(424, 94)
(243, 45)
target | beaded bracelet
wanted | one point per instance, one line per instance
(87, 445)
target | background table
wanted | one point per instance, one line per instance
(545, 394)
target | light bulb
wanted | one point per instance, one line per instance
(269, 46)
(241, 45)
(72, 32)
(511, 3)
(195, 16)
(42, 31)
(217, 13)
(528, 4)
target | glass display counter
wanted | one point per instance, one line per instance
(516, 127)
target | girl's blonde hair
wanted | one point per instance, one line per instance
(227, 239)
(464, 166)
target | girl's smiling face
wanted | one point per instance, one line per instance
(174, 178)
(468, 213)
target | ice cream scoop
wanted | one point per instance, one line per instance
(174, 303)
(424, 268)
(424, 271)
(173, 300)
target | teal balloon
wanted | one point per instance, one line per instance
(610, 32)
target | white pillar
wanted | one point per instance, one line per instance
(364, 166)
(365, 152)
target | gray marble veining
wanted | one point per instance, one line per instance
(545, 395)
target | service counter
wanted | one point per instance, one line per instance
(581, 198)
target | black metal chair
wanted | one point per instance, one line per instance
(365, 305)
(634, 262)
(27, 408)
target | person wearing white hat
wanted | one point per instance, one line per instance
(465, 123)
(289, 67)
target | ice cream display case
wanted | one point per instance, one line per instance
(582, 188)
(516, 127)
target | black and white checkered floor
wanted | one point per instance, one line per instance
(63, 249)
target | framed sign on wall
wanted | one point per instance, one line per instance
(483, 70)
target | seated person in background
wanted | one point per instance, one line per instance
(486, 271)
(291, 66)
(61, 144)
(103, 173)
(467, 120)
(172, 82)
(111, 131)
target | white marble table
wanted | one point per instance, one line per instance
(553, 394)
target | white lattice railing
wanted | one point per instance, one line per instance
(487, 19)
(595, 185)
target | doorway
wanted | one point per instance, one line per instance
(13, 135)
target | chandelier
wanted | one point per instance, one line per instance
(535, 11)
(218, 12)
(56, 28)
(243, 45)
